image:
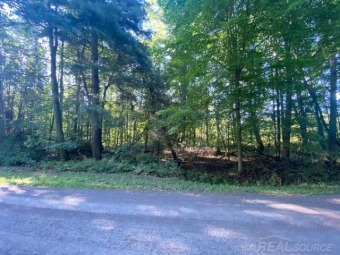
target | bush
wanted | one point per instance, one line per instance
(128, 153)
(36, 146)
(147, 158)
(159, 170)
(134, 154)
(13, 154)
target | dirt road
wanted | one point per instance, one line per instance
(64, 221)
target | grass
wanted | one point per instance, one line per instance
(132, 181)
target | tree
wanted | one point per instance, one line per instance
(50, 19)
(53, 37)
(113, 23)
(333, 104)
(94, 99)
(2, 117)
(2, 62)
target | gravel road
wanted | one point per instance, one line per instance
(68, 221)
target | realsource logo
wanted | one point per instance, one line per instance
(280, 245)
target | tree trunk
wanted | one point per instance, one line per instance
(53, 43)
(127, 127)
(96, 137)
(228, 138)
(319, 116)
(75, 135)
(21, 111)
(287, 120)
(286, 129)
(61, 75)
(218, 131)
(257, 132)
(302, 119)
(146, 136)
(238, 123)
(278, 119)
(2, 112)
(206, 121)
(321, 133)
(333, 104)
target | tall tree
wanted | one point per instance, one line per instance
(2, 116)
(94, 100)
(53, 37)
(2, 60)
(49, 18)
(114, 23)
(332, 136)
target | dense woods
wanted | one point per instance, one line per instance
(245, 88)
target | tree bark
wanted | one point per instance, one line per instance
(286, 129)
(77, 107)
(302, 119)
(218, 131)
(238, 123)
(96, 135)
(257, 132)
(287, 120)
(2, 112)
(61, 75)
(321, 133)
(278, 131)
(53, 44)
(207, 131)
(333, 105)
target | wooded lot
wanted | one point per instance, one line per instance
(227, 90)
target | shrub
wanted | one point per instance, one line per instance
(128, 153)
(159, 170)
(13, 154)
(36, 146)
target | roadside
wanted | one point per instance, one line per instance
(137, 181)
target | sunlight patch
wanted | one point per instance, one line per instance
(335, 201)
(222, 233)
(267, 214)
(72, 200)
(103, 224)
(154, 211)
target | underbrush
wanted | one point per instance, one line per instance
(13, 153)
(112, 166)
(260, 169)
(204, 168)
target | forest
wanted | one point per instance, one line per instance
(216, 91)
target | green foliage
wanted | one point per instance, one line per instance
(128, 153)
(174, 119)
(68, 145)
(113, 166)
(14, 154)
(322, 170)
(36, 146)
(157, 169)
(86, 165)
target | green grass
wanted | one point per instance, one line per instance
(132, 181)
